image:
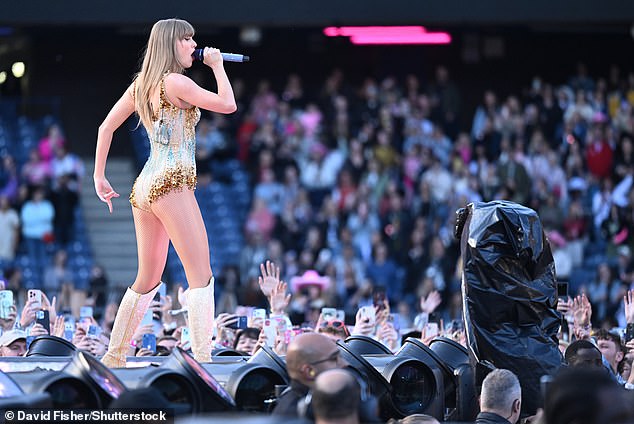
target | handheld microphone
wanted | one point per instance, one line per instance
(227, 57)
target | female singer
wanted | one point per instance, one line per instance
(163, 203)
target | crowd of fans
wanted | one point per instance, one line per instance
(39, 204)
(350, 228)
(360, 181)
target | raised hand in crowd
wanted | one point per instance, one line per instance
(99, 345)
(269, 279)
(181, 297)
(628, 306)
(364, 325)
(582, 313)
(7, 323)
(426, 337)
(137, 338)
(38, 330)
(144, 352)
(28, 312)
(57, 326)
(50, 306)
(177, 334)
(256, 322)
(564, 306)
(279, 299)
(430, 302)
(225, 335)
(166, 306)
(387, 334)
(80, 340)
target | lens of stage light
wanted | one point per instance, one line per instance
(3, 77)
(253, 387)
(176, 389)
(412, 387)
(71, 393)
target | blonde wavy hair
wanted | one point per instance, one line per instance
(159, 58)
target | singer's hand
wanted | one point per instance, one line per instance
(212, 57)
(105, 192)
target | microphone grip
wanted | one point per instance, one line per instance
(227, 57)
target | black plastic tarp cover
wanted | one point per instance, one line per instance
(510, 293)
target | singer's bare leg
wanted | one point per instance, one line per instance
(180, 215)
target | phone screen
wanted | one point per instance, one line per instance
(41, 317)
(270, 330)
(147, 318)
(185, 338)
(431, 330)
(85, 312)
(149, 342)
(37, 296)
(562, 290)
(6, 302)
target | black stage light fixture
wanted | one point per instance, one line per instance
(105, 383)
(32, 401)
(265, 356)
(175, 386)
(208, 394)
(13, 397)
(416, 387)
(65, 391)
(457, 376)
(47, 346)
(364, 345)
(225, 351)
(253, 387)
(456, 356)
(379, 387)
(403, 385)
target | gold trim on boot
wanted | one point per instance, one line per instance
(131, 311)
(200, 307)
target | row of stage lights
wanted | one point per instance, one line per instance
(17, 69)
(436, 380)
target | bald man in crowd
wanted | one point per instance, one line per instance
(307, 356)
(336, 397)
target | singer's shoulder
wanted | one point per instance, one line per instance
(175, 77)
(177, 81)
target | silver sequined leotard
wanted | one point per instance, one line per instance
(171, 165)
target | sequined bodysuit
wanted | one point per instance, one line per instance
(171, 165)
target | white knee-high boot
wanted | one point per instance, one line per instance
(131, 310)
(200, 307)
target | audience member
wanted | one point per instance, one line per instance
(307, 356)
(582, 395)
(501, 398)
(13, 343)
(336, 396)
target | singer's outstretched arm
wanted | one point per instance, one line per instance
(117, 115)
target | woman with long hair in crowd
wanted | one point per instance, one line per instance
(163, 203)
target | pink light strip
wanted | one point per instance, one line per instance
(430, 38)
(373, 30)
(389, 35)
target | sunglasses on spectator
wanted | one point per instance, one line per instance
(336, 325)
(334, 357)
